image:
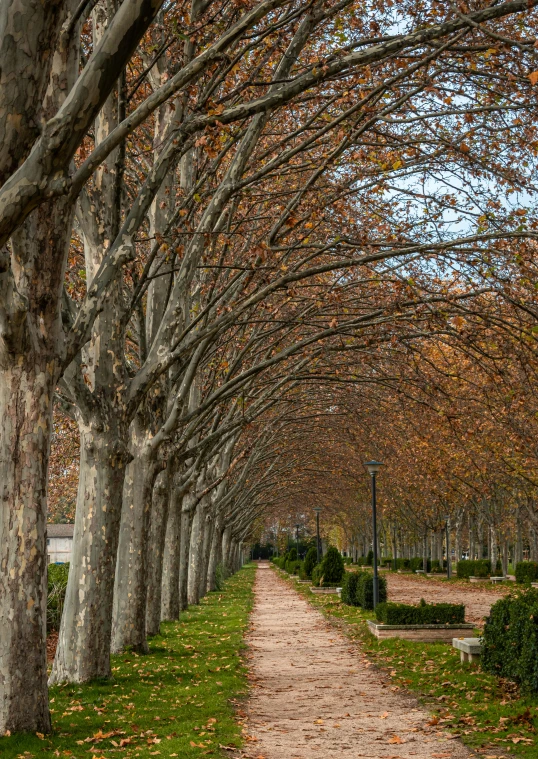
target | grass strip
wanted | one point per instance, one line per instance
(177, 701)
(490, 715)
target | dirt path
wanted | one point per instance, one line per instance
(315, 695)
(477, 599)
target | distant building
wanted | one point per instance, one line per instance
(59, 543)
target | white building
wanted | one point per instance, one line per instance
(59, 543)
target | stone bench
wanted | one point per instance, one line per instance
(324, 591)
(497, 579)
(478, 579)
(469, 648)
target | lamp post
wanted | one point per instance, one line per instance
(297, 539)
(374, 467)
(317, 509)
(448, 562)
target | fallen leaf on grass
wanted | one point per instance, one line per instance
(227, 748)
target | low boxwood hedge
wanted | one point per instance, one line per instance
(418, 563)
(473, 568)
(423, 614)
(510, 639)
(526, 571)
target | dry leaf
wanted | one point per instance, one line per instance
(396, 739)
(533, 77)
(384, 715)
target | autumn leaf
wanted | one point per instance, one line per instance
(533, 77)
(396, 739)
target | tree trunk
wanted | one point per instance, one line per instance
(83, 651)
(226, 548)
(159, 513)
(209, 528)
(184, 553)
(170, 575)
(25, 412)
(130, 590)
(519, 537)
(215, 556)
(195, 554)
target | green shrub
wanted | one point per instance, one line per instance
(347, 560)
(349, 588)
(56, 587)
(333, 567)
(423, 614)
(510, 639)
(526, 571)
(361, 561)
(364, 593)
(317, 574)
(370, 558)
(403, 563)
(438, 566)
(418, 563)
(310, 562)
(473, 568)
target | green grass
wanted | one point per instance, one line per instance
(176, 701)
(488, 714)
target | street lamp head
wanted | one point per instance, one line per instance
(447, 518)
(317, 509)
(373, 466)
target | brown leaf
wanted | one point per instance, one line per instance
(396, 739)
(533, 77)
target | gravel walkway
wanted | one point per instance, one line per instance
(315, 695)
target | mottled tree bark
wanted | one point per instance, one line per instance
(130, 590)
(158, 521)
(83, 651)
(184, 553)
(26, 393)
(209, 526)
(215, 556)
(170, 574)
(195, 552)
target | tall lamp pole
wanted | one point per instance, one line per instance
(374, 467)
(448, 562)
(317, 509)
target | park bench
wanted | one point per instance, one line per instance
(419, 572)
(497, 579)
(469, 648)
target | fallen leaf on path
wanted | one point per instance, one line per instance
(396, 739)
(384, 715)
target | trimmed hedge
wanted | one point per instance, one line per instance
(364, 593)
(333, 567)
(418, 563)
(510, 639)
(403, 563)
(473, 568)
(317, 574)
(526, 571)
(349, 588)
(423, 614)
(310, 561)
(370, 558)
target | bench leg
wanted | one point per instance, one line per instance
(463, 656)
(474, 657)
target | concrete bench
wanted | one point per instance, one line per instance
(497, 579)
(419, 572)
(469, 648)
